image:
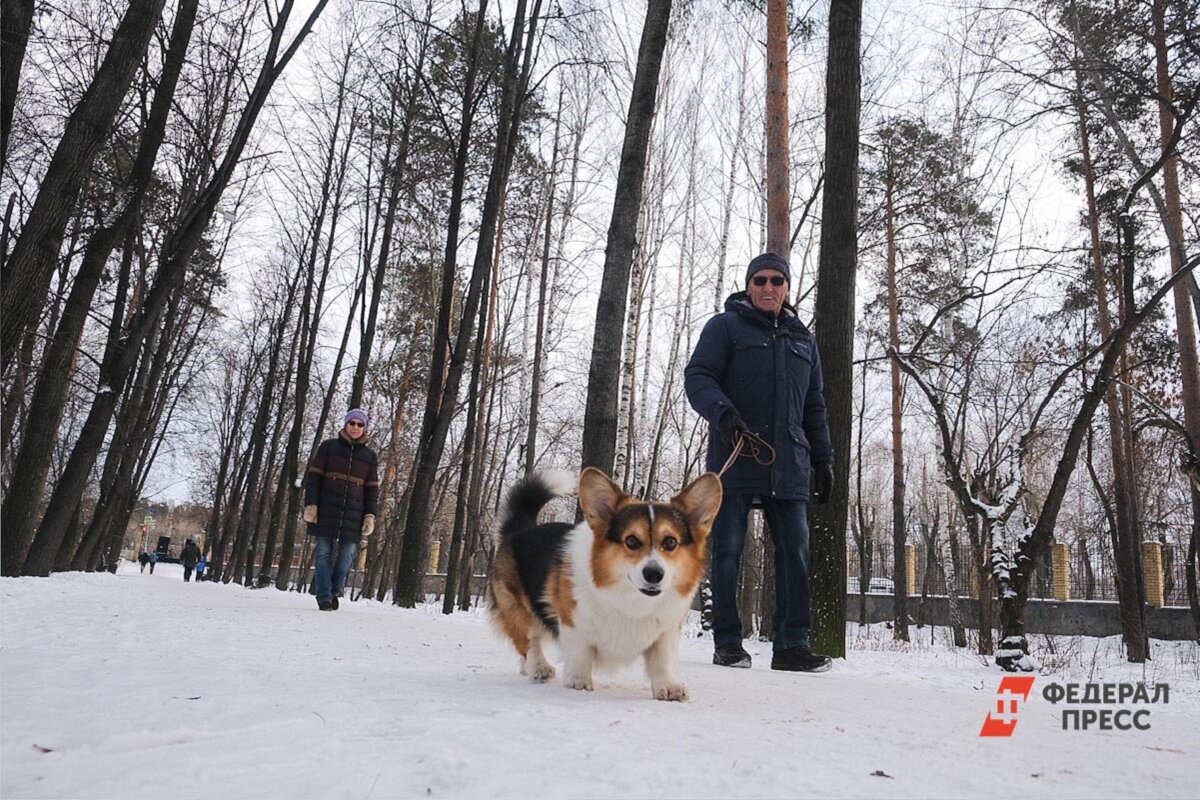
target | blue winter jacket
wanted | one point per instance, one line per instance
(769, 371)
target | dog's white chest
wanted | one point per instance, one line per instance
(618, 639)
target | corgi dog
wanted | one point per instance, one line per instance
(615, 586)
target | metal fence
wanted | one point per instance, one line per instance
(1091, 574)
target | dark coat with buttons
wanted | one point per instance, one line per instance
(343, 483)
(769, 371)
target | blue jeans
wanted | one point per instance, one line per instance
(330, 578)
(788, 523)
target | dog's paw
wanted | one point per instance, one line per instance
(541, 673)
(579, 682)
(671, 691)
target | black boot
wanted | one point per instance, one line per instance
(731, 655)
(333, 602)
(325, 606)
(800, 659)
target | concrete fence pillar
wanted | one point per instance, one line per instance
(435, 552)
(1061, 558)
(1152, 567)
(910, 567)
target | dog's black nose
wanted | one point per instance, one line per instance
(652, 573)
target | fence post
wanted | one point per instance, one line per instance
(1061, 556)
(1152, 567)
(435, 551)
(910, 568)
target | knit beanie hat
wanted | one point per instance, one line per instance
(768, 260)
(358, 414)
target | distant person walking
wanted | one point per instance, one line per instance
(189, 557)
(201, 565)
(341, 491)
(143, 559)
(153, 560)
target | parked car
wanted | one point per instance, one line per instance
(874, 586)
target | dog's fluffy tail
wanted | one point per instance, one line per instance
(527, 497)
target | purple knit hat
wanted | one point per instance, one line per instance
(356, 414)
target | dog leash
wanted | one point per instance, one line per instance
(756, 446)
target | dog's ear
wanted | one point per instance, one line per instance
(699, 503)
(599, 498)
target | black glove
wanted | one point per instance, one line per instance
(730, 425)
(822, 483)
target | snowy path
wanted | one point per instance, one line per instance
(142, 686)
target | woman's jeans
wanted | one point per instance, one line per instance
(330, 578)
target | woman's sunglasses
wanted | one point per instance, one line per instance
(354, 423)
(776, 280)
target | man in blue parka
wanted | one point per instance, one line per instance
(756, 370)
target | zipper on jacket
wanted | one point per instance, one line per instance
(346, 492)
(775, 377)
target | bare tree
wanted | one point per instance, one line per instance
(518, 63)
(834, 320)
(14, 34)
(600, 416)
(50, 391)
(28, 269)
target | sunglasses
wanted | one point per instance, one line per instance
(355, 424)
(761, 280)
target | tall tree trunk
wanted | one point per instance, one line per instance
(1128, 550)
(834, 318)
(470, 435)
(487, 402)
(731, 180)
(258, 436)
(600, 416)
(17, 18)
(47, 541)
(226, 464)
(155, 408)
(177, 250)
(51, 391)
(539, 343)
(862, 529)
(625, 466)
(900, 587)
(332, 181)
(28, 270)
(684, 288)
(778, 177)
(399, 171)
(409, 566)
(390, 532)
(1185, 323)
(518, 63)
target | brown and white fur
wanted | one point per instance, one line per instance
(615, 586)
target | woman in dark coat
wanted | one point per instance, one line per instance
(341, 492)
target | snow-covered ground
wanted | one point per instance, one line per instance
(143, 686)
